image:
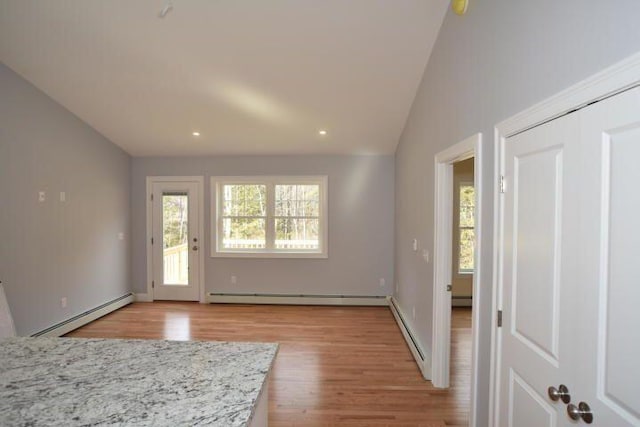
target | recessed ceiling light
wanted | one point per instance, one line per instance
(322, 132)
(196, 134)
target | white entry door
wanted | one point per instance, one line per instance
(176, 240)
(568, 285)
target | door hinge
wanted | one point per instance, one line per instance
(152, 197)
(499, 318)
(153, 284)
(448, 288)
(152, 240)
(502, 184)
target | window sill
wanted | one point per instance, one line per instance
(308, 255)
(465, 273)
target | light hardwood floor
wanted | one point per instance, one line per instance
(336, 365)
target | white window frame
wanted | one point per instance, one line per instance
(269, 252)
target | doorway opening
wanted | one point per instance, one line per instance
(457, 255)
(462, 271)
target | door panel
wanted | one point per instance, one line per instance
(537, 214)
(535, 243)
(608, 372)
(175, 223)
(622, 293)
(527, 406)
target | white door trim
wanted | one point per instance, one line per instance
(615, 79)
(470, 147)
(156, 179)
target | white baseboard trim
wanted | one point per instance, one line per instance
(461, 302)
(88, 316)
(420, 357)
(143, 298)
(297, 299)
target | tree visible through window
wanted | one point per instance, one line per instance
(297, 216)
(244, 216)
(466, 228)
(270, 215)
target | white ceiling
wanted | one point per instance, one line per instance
(253, 76)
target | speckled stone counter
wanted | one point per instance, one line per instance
(73, 382)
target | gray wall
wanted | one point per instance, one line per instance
(361, 205)
(495, 61)
(52, 249)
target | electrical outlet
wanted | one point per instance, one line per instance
(413, 311)
(425, 255)
(234, 280)
(382, 282)
(63, 302)
(415, 245)
(63, 196)
(121, 236)
(397, 288)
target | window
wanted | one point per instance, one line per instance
(466, 229)
(269, 216)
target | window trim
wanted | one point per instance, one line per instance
(216, 182)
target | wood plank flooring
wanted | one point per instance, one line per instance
(345, 366)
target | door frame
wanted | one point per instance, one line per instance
(442, 259)
(611, 81)
(149, 205)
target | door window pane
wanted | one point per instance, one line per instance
(175, 238)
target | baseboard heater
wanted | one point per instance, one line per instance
(297, 299)
(412, 343)
(82, 319)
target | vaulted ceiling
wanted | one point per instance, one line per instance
(251, 76)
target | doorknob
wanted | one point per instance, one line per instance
(581, 411)
(560, 393)
(195, 248)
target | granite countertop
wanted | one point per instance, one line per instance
(75, 381)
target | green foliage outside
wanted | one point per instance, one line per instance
(297, 212)
(467, 232)
(245, 212)
(174, 220)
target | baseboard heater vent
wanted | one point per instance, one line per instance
(297, 299)
(81, 319)
(421, 359)
(406, 329)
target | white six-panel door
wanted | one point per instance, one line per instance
(569, 291)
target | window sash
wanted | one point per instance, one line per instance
(217, 185)
(461, 228)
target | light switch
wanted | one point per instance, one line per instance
(63, 196)
(42, 196)
(415, 245)
(121, 236)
